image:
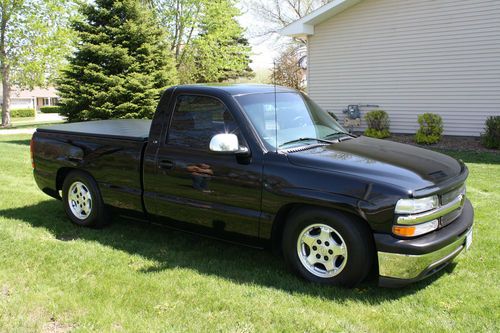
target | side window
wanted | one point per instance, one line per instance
(197, 119)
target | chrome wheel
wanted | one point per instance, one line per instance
(80, 200)
(321, 250)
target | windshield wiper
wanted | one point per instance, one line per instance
(306, 139)
(345, 137)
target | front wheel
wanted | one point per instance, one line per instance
(329, 247)
(82, 200)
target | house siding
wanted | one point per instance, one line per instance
(21, 103)
(411, 57)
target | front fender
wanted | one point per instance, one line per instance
(275, 205)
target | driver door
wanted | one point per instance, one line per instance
(195, 188)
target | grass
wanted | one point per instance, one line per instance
(29, 122)
(137, 277)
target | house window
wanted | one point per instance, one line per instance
(46, 101)
(54, 101)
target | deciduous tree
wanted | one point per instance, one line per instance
(34, 40)
(206, 40)
(181, 19)
(277, 14)
(221, 51)
(288, 71)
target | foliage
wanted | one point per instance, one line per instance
(121, 65)
(205, 38)
(220, 52)
(275, 15)
(287, 70)
(22, 113)
(431, 128)
(50, 109)
(138, 277)
(378, 124)
(181, 19)
(278, 14)
(491, 137)
(379, 134)
(35, 41)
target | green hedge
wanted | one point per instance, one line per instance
(50, 109)
(491, 137)
(378, 124)
(431, 128)
(22, 113)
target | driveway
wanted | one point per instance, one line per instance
(48, 117)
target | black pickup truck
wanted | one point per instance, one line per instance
(265, 166)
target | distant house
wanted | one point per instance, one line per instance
(409, 57)
(36, 98)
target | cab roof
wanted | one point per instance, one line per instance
(235, 89)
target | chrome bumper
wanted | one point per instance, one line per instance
(414, 267)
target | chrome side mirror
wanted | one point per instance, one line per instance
(226, 143)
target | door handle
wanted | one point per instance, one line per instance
(166, 164)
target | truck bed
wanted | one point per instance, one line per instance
(126, 129)
(109, 150)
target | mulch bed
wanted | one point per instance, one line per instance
(448, 142)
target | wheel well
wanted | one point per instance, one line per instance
(62, 173)
(283, 213)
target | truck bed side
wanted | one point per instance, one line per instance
(113, 161)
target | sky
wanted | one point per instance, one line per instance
(264, 50)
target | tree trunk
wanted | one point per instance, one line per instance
(6, 96)
(4, 67)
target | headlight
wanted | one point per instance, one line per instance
(415, 229)
(413, 206)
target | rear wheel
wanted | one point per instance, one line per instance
(326, 246)
(82, 200)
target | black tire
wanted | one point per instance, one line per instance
(354, 233)
(97, 215)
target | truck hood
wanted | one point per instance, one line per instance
(401, 165)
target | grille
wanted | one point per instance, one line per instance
(447, 198)
(450, 196)
(450, 217)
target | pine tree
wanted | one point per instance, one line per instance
(220, 51)
(121, 65)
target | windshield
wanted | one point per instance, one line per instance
(300, 120)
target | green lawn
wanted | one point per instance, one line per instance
(28, 122)
(136, 277)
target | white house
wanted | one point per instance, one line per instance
(409, 57)
(32, 99)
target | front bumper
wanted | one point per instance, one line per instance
(402, 261)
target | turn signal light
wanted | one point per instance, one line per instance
(404, 230)
(416, 229)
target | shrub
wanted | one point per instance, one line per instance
(491, 137)
(431, 128)
(22, 113)
(378, 124)
(50, 109)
